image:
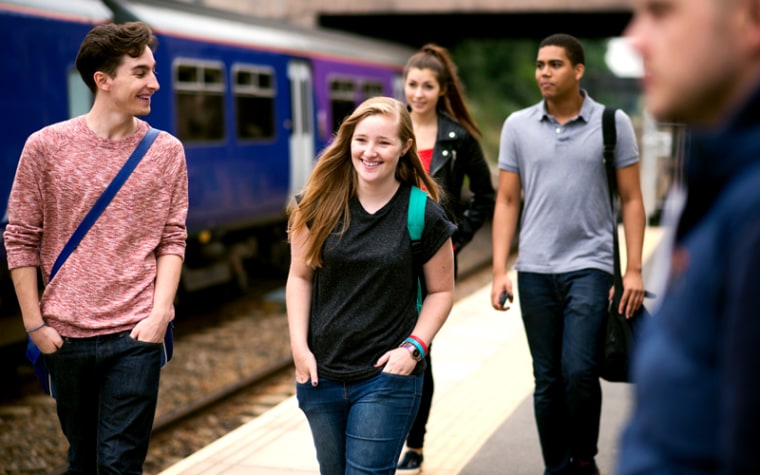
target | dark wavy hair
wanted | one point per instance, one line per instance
(104, 47)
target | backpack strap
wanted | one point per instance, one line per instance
(415, 223)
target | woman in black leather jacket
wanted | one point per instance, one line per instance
(458, 154)
(447, 142)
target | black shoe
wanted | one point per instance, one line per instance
(585, 467)
(410, 463)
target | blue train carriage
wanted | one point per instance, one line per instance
(38, 85)
(254, 101)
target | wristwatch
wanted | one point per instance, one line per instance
(412, 349)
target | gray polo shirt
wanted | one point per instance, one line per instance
(566, 222)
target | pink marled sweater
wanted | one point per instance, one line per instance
(106, 285)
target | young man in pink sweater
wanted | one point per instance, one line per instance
(101, 322)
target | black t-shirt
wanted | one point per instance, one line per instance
(364, 296)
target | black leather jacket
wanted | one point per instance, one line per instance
(457, 154)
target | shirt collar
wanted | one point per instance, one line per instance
(585, 114)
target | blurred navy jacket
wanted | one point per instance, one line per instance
(697, 369)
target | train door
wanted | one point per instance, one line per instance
(398, 88)
(302, 132)
(80, 97)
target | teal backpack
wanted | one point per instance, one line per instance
(415, 223)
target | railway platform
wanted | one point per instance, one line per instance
(481, 422)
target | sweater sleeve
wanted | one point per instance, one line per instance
(23, 233)
(174, 235)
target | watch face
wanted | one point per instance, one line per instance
(413, 350)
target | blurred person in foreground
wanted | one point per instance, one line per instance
(100, 323)
(551, 154)
(447, 142)
(358, 342)
(697, 397)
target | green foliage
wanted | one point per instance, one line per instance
(498, 76)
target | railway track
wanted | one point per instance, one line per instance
(231, 365)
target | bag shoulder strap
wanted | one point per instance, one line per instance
(104, 199)
(609, 133)
(415, 223)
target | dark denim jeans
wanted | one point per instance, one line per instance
(564, 317)
(359, 428)
(106, 395)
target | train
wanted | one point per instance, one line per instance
(253, 100)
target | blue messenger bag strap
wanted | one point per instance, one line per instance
(104, 199)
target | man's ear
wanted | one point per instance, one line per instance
(101, 80)
(579, 70)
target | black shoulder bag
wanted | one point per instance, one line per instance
(620, 332)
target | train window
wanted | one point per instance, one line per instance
(372, 89)
(199, 89)
(343, 98)
(254, 91)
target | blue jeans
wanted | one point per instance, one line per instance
(106, 395)
(360, 427)
(564, 317)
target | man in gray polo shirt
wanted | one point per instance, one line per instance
(550, 158)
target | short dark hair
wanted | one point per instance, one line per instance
(104, 47)
(573, 47)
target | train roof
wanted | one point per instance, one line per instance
(82, 10)
(173, 17)
(176, 18)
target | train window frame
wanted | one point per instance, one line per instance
(353, 90)
(342, 100)
(372, 88)
(259, 94)
(199, 88)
